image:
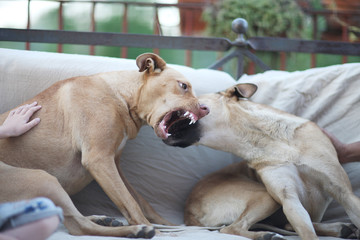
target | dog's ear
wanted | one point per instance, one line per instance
(150, 62)
(242, 90)
(245, 90)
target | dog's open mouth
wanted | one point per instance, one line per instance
(174, 121)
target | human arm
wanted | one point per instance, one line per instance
(346, 152)
(17, 122)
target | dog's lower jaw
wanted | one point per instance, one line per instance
(181, 128)
(184, 136)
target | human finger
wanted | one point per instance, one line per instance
(19, 109)
(29, 125)
(30, 111)
(26, 107)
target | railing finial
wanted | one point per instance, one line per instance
(240, 26)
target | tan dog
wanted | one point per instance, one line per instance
(291, 163)
(85, 122)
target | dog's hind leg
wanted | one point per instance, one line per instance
(231, 196)
(351, 204)
(339, 187)
(20, 183)
(256, 211)
(349, 201)
(352, 208)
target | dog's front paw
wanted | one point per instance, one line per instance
(144, 231)
(349, 231)
(271, 236)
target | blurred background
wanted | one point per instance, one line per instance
(337, 20)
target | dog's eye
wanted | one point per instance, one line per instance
(183, 85)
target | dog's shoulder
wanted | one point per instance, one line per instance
(275, 122)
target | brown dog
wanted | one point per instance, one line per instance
(85, 122)
(290, 163)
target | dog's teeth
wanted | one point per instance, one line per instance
(168, 134)
(190, 116)
(192, 121)
(178, 113)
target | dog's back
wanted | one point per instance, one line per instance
(50, 143)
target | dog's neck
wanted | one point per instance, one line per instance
(126, 92)
(248, 129)
(122, 87)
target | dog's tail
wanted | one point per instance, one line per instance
(262, 226)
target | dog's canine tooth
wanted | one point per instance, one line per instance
(190, 116)
(192, 121)
(168, 134)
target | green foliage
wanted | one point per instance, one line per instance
(265, 18)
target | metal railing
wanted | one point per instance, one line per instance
(191, 7)
(315, 14)
(241, 47)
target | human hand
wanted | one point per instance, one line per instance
(17, 122)
(346, 152)
(339, 146)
